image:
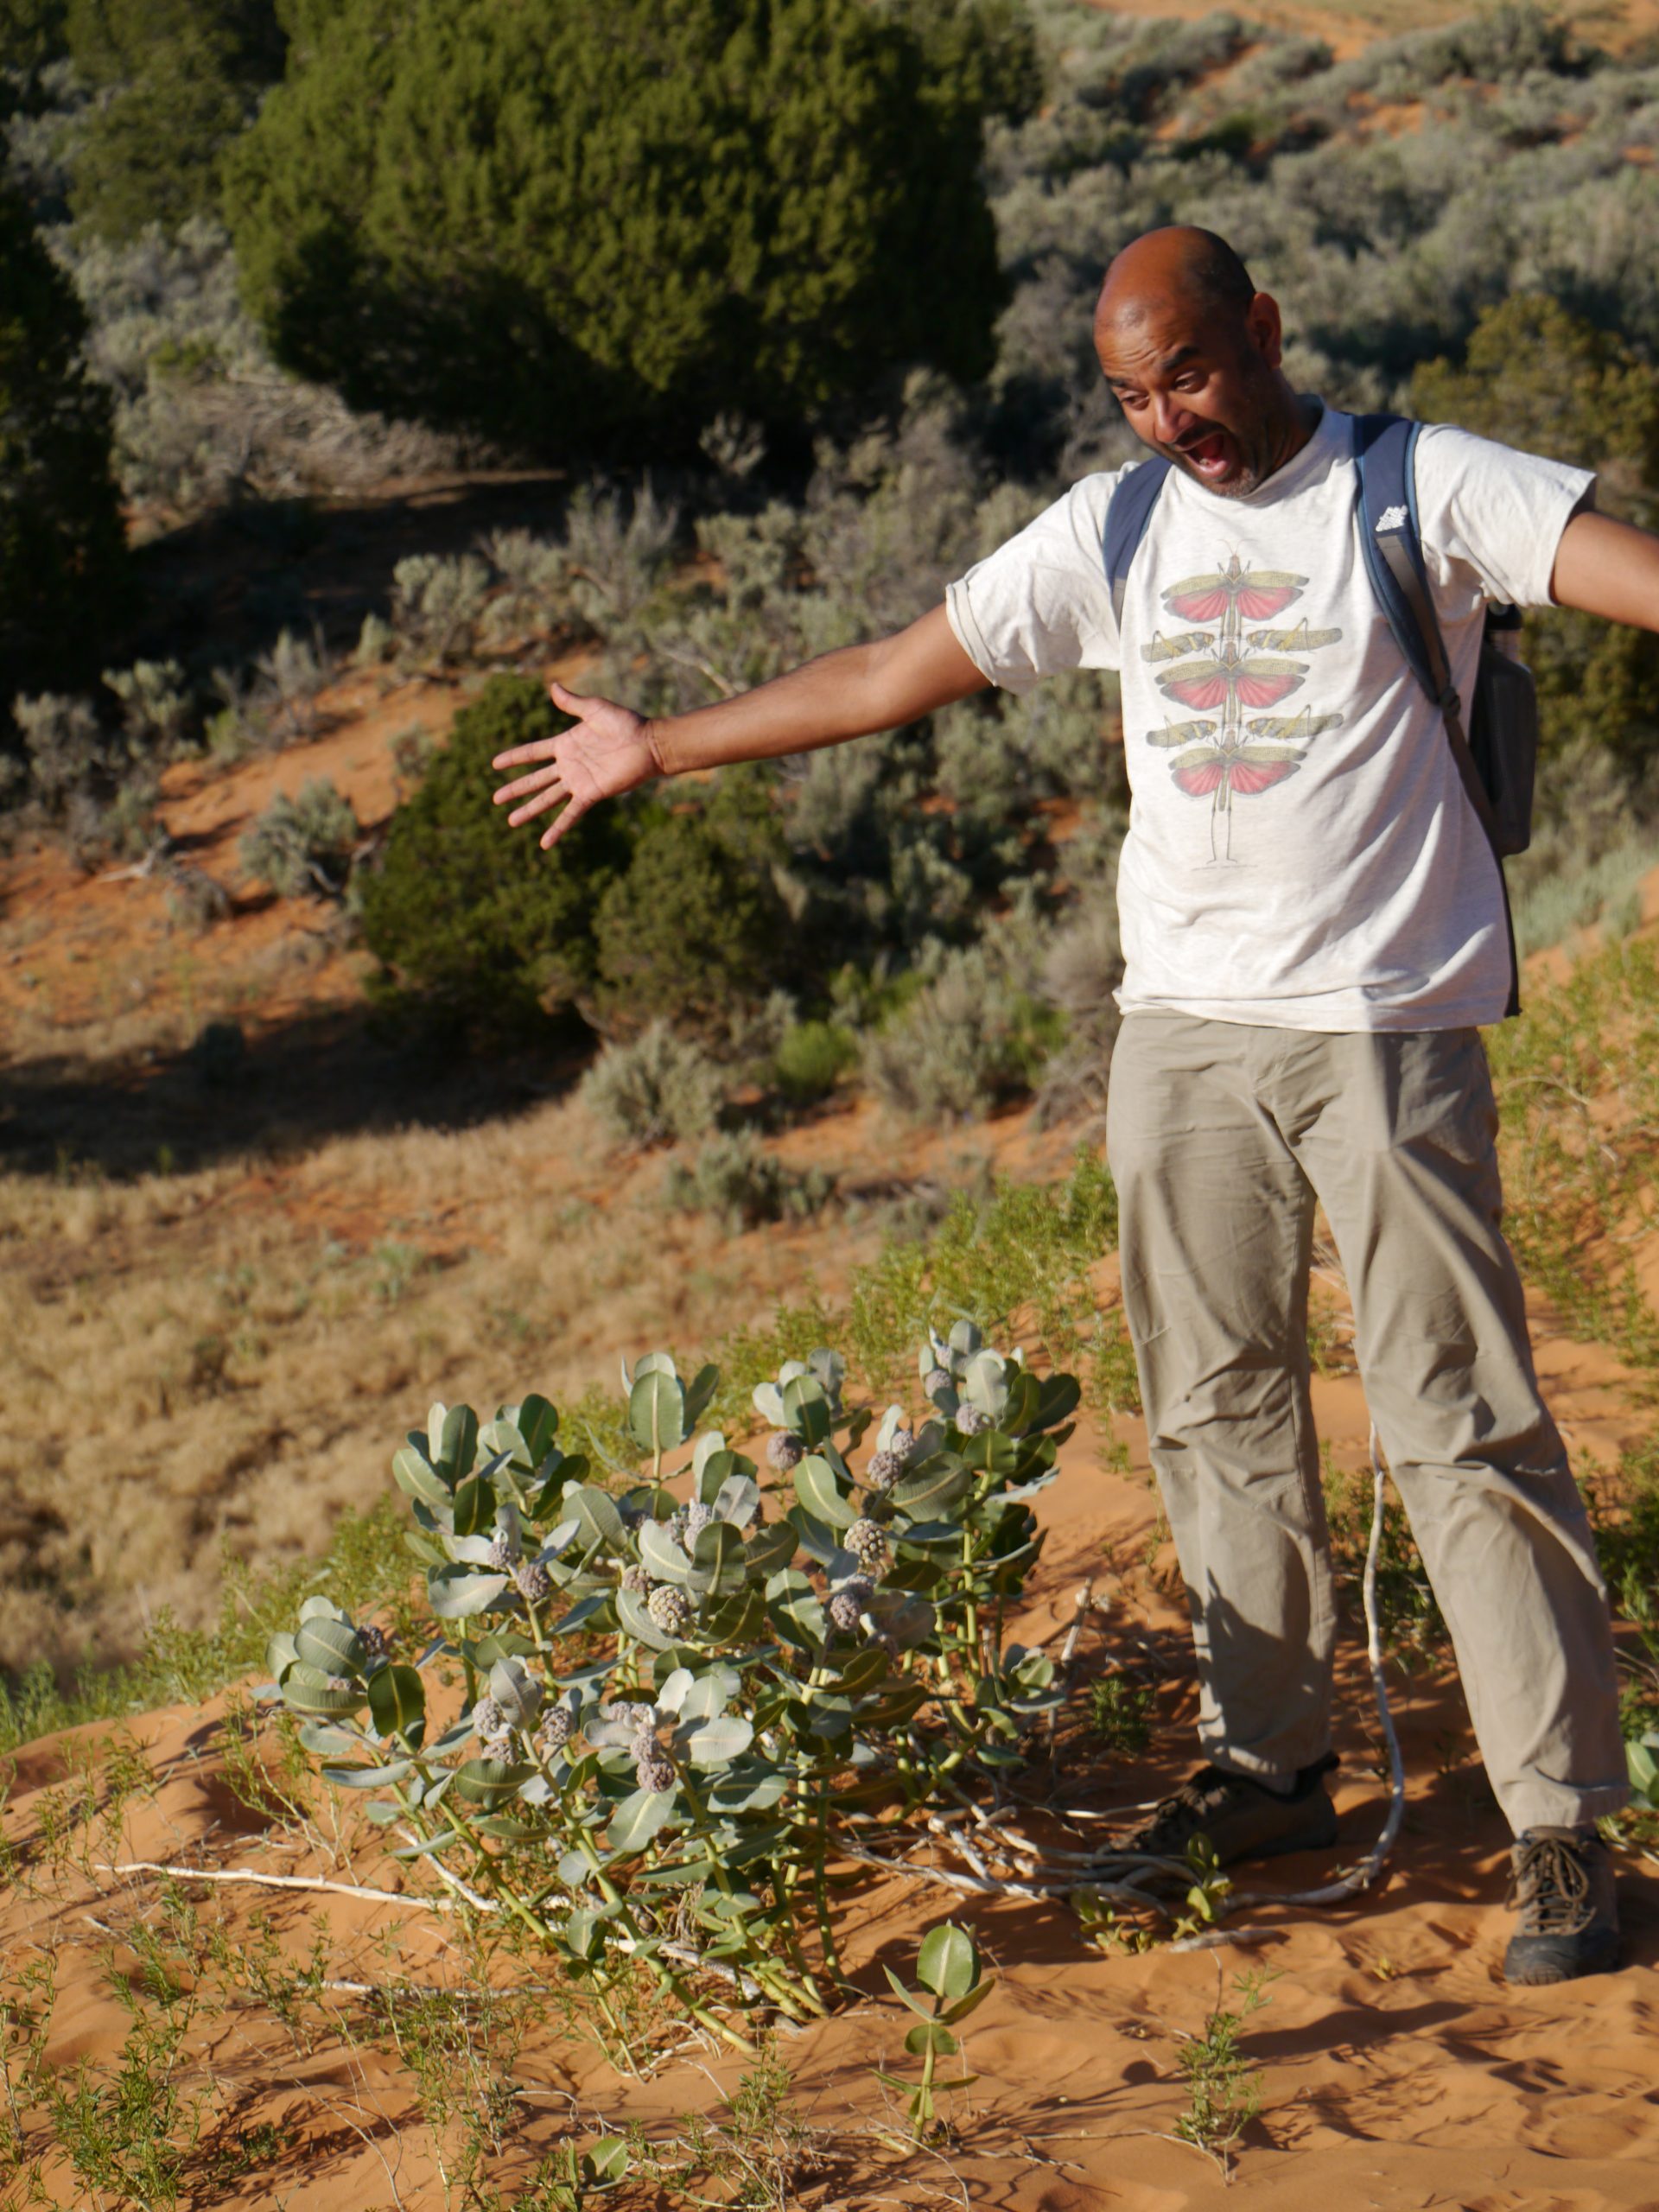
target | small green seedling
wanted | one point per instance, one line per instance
(579, 2175)
(947, 1965)
(1641, 1757)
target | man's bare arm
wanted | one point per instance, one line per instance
(1608, 568)
(848, 693)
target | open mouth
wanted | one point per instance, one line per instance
(1211, 456)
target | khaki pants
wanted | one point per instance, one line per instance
(1221, 1138)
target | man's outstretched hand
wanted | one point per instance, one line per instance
(605, 753)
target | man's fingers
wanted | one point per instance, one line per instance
(539, 804)
(571, 702)
(510, 794)
(540, 749)
(556, 829)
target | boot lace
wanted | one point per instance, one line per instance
(1176, 1819)
(1549, 1885)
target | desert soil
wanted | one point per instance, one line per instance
(1398, 2070)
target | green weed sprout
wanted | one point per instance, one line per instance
(1223, 2086)
(580, 2176)
(676, 1710)
(947, 1967)
(1641, 1758)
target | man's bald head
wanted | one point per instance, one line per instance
(1180, 265)
(1192, 352)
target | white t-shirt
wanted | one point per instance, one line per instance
(1301, 852)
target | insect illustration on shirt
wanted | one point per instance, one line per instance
(1224, 672)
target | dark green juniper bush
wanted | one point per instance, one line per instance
(1266, 1049)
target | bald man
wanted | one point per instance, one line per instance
(1313, 929)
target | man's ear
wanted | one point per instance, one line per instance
(1267, 331)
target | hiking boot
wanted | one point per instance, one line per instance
(1561, 1884)
(1241, 1819)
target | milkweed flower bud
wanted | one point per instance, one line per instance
(868, 1545)
(506, 1552)
(935, 1379)
(655, 1773)
(532, 1581)
(488, 1718)
(375, 1642)
(847, 1605)
(785, 1450)
(884, 1470)
(635, 1579)
(698, 1517)
(668, 1609)
(554, 1732)
(971, 1420)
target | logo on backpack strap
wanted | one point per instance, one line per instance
(1391, 519)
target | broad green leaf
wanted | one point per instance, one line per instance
(717, 1558)
(330, 1743)
(991, 1453)
(795, 1609)
(1059, 1396)
(933, 1489)
(672, 1690)
(717, 1743)
(735, 1619)
(456, 1592)
(862, 1671)
(805, 1408)
(970, 2003)
(771, 1548)
(513, 1690)
(489, 1782)
(280, 1651)
(595, 1514)
(908, 1996)
(413, 1473)
(661, 1554)
(768, 1401)
(710, 1693)
(398, 1702)
(608, 2161)
(929, 2034)
(656, 1414)
(948, 1963)
(455, 1446)
(307, 1690)
(538, 1422)
(698, 1392)
(475, 1506)
(638, 1818)
(736, 1499)
(366, 1777)
(819, 1492)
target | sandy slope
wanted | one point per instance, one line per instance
(1399, 2071)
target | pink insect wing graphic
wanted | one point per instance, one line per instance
(1225, 673)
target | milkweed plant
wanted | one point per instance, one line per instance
(685, 1685)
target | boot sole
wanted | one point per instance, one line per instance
(1543, 1972)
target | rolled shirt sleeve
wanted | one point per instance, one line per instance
(1038, 605)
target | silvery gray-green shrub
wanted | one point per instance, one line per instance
(674, 1706)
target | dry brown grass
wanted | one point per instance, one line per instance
(229, 1355)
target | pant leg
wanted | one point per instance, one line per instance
(1397, 1134)
(1214, 1231)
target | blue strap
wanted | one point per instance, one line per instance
(1127, 517)
(1384, 447)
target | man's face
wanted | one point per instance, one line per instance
(1205, 396)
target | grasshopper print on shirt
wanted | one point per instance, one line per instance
(1224, 672)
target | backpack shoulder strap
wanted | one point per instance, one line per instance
(1127, 517)
(1384, 450)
